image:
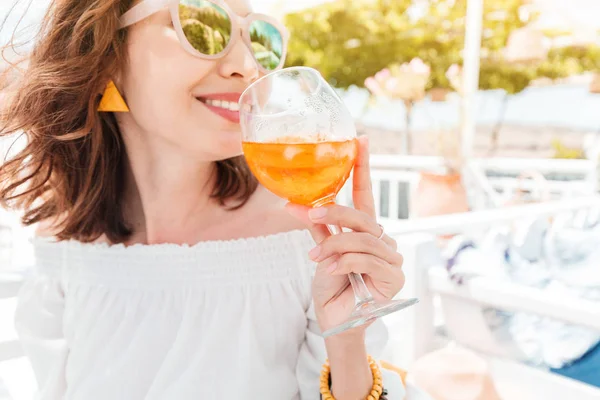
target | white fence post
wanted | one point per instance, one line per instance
(411, 331)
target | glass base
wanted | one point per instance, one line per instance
(368, 311)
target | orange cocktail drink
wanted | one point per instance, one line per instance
(304, 170)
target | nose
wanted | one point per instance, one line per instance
(239, 63)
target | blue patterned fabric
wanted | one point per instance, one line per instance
(586, 369)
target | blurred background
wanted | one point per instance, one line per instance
(484, 125)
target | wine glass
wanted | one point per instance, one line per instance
(300, 142)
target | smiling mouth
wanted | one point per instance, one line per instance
(222, 104)
(229, 110)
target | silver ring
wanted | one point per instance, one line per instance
(382, 232)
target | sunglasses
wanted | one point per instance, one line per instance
(208, 29)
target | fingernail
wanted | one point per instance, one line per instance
(314, 253)
(332, 267)
(317, 213)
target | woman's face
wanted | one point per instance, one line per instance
(166, 89)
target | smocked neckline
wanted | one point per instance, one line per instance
(223, 244)
(259, 259)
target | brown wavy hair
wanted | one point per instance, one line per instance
(72, 169)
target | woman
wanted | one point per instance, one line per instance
(163, 270)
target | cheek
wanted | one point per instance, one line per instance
(161, 75)
(152, 86)
(153, 71)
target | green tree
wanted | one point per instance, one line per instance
(205, 27)
(576, 59)
(350, 40)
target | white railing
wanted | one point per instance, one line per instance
(491, 182)
(462, 222)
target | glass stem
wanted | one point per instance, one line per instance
(361, 292)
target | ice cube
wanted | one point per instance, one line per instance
(324, 150)
(290, 152)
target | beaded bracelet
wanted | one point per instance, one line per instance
(376, 391)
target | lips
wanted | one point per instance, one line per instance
(224, 105)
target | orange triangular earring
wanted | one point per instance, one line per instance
(112, 101)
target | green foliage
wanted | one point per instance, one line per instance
(495, 74)
(350, 40)
(500, 19)
(553, 70)
(201, 37)
(267, 49)
(264, 41)
(266, 58)
(576, 59)
(206, 28)
(562, 151)
(553, 33)
(207, 15)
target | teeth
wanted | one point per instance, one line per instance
(228, 105)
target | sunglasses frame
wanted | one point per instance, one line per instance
(146, 8)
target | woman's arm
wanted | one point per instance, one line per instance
(346, 369)
(351, 375)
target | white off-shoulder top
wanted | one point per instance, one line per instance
(217, 320)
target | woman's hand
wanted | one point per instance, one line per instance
(359, 251)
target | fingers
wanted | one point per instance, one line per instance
(347, 217)
(356, 220)
(378, 270)
(318, 231)
(355, 242)
(362, 190)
